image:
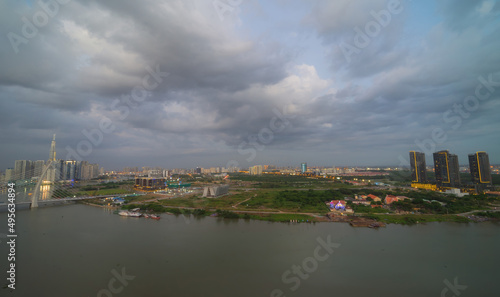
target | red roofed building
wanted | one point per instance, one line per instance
(390, 198)
(374, 198)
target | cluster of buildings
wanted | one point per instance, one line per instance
(158, 171)
(28, 170)
(341, 207)
(216, 170)
(303, 169)
(152, 183)
(256, 170)
(447, 172)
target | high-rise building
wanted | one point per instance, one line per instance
(23, 169)
(52, 155)
(446, 169)
(480, 168)
(38, 168)
(303, 167)
(88, 171)
(8, 174)
(71, 170)
(255, 170)
(418, 167)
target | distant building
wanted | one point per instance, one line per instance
(70, 170)
(255, 170)
(215, 191)
(389, 199)
(8, 174)
(23, 169)
(446, 169)
(480, 170)
(303, 167)
(38, 168)
(337, 204)
(150, 183)
(418, 167)
(89, 171)
(374, 198)
(52, 154)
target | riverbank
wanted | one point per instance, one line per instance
(365, 221)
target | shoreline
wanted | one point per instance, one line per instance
(381, 220)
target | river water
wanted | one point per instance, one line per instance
(81, 250)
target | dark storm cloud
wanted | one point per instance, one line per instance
(225, 82)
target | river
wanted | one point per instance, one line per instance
(80, 250)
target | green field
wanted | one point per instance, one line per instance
(104, 192)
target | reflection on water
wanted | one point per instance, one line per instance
(46, 192)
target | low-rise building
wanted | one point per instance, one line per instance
(390, 199)
(215, 191)
(336, 205)
(374, 198)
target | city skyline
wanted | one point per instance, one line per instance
(417, 164)
(264, 82)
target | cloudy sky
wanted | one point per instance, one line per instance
(179, 83)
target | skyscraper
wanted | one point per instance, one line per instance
(23, 169)
(52, 156)
(38, 168)
(303, 167)
(418, 167)
(55, 170)
(480, 168)
(446, 169)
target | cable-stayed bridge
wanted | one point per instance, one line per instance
(45, 186)
(43, 181)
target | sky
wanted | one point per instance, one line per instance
(180, 84)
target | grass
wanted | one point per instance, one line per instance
(104, 192)
(140, 198)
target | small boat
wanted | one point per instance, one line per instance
(146, 215)
(154, 217)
